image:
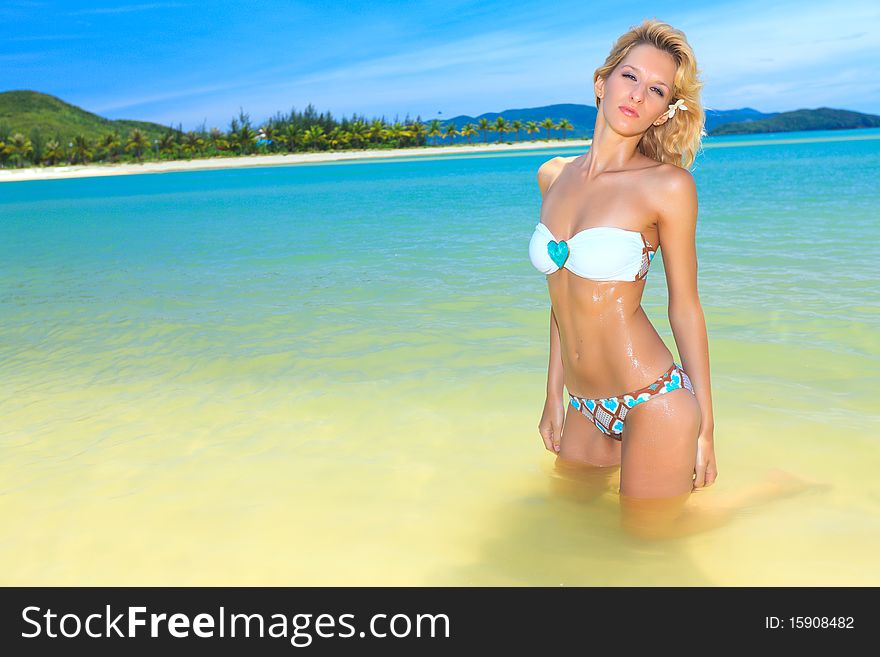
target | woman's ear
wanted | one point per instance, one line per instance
(599, 87)
(663, 119)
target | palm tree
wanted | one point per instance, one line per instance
(244, 138)
(532, 127)
(451, 131)
(137, 142)
(53, 153)
(360, 133)
(241, 133)
(192, 144)
(397, 132)
(38, 143)
(290, 137)
(516, 125)
(548, 124)
(468, 130)
(337, 138)
(81, 151)
(418, 130)
(168, 144)
(109, 143)
(218, 143)
(484, 126)
(18, 149)
(501, 126)
(434, 130)
(314, 136)
(377, 130)
(270, 133)
(564, 124)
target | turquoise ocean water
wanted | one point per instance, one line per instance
(333, 374)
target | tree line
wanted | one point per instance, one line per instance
(296, 132)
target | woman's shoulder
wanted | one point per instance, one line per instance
(555, 163)
(665, 180)
(673, 177)
(675, 191)
(549, 170)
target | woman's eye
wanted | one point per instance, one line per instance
(630, 75)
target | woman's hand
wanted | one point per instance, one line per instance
(550, 425)
(705, 470)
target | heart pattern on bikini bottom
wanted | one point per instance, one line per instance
(629, 401)
(558, 252)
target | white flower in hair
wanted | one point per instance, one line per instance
(679, 104)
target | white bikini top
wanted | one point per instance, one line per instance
(601, 253)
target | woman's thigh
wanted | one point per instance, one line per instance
(659, 448)
(582, 441)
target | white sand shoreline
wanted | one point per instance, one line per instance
(90, 170)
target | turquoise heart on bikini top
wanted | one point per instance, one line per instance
(558, 252)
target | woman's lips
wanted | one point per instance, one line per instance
(629, 112)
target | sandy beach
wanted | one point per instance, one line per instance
(89, 170)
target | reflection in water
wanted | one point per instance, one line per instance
(573, 534)
(581, 482)
(671, 517)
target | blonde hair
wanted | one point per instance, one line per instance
(679, 139)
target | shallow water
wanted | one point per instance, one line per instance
(332, 374)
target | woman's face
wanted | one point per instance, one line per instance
(642, 82)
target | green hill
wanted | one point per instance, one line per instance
(25, 111)
(823, 118)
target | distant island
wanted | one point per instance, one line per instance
(823, 118)
(38, 129)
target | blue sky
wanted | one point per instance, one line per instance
(188, 62)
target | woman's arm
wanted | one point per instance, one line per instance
(555, 372)
(547, 173)
(677, 226)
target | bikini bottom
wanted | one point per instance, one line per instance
(609, 414)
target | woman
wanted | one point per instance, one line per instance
(604, 215)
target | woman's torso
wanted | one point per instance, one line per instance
(608, 344)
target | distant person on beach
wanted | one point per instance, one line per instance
(605, 214)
